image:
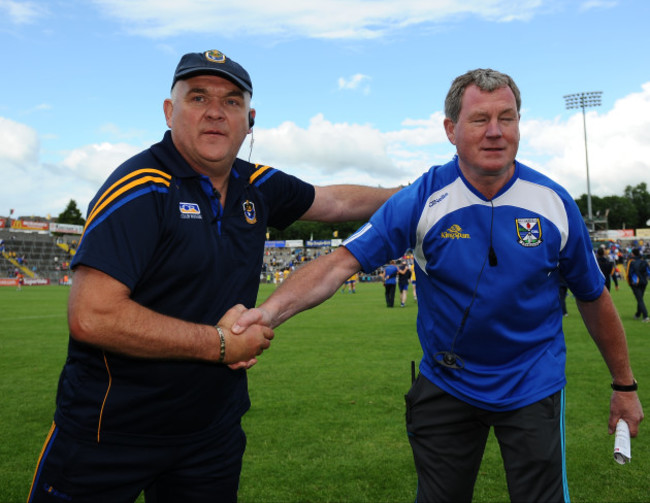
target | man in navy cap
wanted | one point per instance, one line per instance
(170, 255)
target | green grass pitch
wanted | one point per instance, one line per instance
(327, 416)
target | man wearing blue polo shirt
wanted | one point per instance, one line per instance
(173, 240)
(390, 281)
(491, 239)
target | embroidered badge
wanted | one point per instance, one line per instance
(189, 210)
(215, 56)
(529, 231)
(249, 212)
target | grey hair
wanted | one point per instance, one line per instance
(486, 80)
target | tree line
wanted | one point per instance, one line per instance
(629, 211)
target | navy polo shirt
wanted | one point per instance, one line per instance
(159, 227)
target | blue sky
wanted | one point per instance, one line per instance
(345, 91)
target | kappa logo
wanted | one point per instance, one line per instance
(455, 232)
(189, 210)
(249, 211)
(529, 232)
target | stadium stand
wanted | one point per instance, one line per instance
(35, 255)
(43, 255)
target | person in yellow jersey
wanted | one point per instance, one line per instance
(415, 294)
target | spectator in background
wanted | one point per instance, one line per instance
(403, 277)
(637, 278)
(606, 266)
(389, 277)
(413, 282)
(350, 284)
(612, 254)
(616, 275)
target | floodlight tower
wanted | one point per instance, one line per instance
(585, 100)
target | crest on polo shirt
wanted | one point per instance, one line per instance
(249, 211)
(529, 231)
(189, 210)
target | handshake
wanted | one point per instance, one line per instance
(242, 335)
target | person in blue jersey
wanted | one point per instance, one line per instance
(171, 252)
(389, 277)
(491, 240)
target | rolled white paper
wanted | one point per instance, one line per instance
(622, 449)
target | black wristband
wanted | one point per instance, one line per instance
(621, 387)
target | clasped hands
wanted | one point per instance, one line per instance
(247, 334)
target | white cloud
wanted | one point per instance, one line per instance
(419, 132)
(20, 12)
(39, 108)
(334, 19)
(95, 162)
(116, 132)
(34, 187)
(19, 144)
(618, 147)
(598, 4)
(327, 153)
(355, 82)
(325, 150)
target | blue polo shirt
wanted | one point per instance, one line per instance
(390, 274)
(158, 227)
(512, 341)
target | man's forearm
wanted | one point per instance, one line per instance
(310, 285)
(101, 313)
(364, 201)
(339, 203)
(606, 329)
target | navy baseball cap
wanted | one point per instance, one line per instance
(212, 63)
